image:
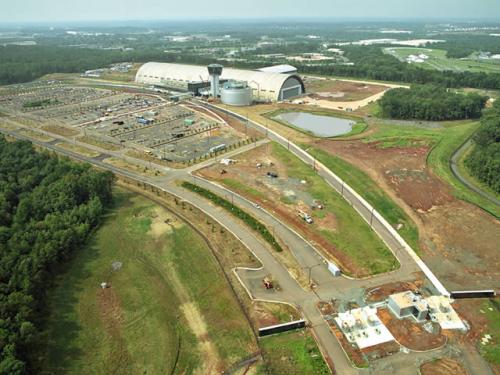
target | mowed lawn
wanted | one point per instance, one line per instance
(293, 353)
(168, 308)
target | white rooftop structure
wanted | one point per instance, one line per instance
(441, 311)
(281, 69)
(363, 327)
(265, 86)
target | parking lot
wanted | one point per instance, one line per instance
(146, 124)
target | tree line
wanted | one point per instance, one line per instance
(26, 63)
(484, 160)
(371, 63)
(48, 208)
(431, 103)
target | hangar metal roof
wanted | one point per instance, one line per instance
(267, 85)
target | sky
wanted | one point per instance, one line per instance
(18, 11)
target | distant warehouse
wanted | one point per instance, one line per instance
(266, 86)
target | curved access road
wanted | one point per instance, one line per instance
(378, 223)
(456, 172)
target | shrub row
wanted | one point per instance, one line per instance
(236, 211)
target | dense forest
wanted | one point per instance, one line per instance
(463, 45)
(484, 160)
(48, 207)
(431, 103)
(370, 62)
(24, 64)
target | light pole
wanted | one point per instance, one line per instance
(310, 269)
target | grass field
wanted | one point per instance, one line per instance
(162, 312)
(361, 182)
(491, 351)
(78, 149)
(353, 237)
(438, 60)
(293, 353)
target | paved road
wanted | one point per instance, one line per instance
(290, 291)
(307, 256)
(378, 223)
(454, 168)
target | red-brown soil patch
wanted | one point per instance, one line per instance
(443, 366)
(459, 240)
(380, 293)
(381, 350)
(354, 354)
(410, 334)
(342, 91)
(267, 314)
(469, 310)
(402, 169)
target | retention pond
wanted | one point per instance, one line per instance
(319, 125)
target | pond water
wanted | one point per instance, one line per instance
(321, 126)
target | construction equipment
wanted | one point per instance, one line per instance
(268, 284)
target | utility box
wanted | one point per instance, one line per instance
(334, 270)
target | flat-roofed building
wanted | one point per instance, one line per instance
(408, 304)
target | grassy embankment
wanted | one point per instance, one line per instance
(353, 237)
(370, 191)
(293, 353)
(491, 351)
(164, 307)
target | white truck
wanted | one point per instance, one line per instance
(307, 218)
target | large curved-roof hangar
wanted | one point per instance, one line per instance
(265, 86)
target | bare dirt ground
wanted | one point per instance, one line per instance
(442, 366)
(410, 334)
(211, 361)
(459, 240)
(269, 193)
(266, 314)
(334, 90)
(112, 319)
(381, 350)
(382, 292)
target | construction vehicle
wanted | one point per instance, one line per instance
(268, 283)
